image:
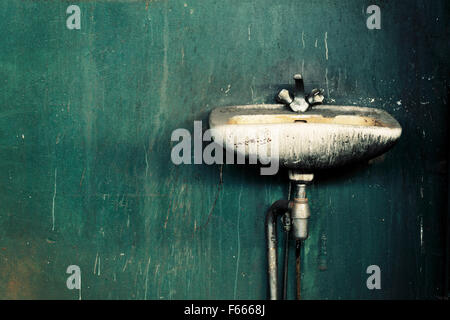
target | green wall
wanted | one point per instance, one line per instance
(85, 171)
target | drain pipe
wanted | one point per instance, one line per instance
(277, 208)
(300, 214)
(298, 208)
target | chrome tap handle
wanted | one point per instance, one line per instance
(284, 97)
(315, 97)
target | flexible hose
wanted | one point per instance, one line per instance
(298, 245)
(286, 258)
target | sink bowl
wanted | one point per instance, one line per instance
(324, 137)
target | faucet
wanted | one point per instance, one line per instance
(299, 102)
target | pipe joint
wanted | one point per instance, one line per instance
(300, 213)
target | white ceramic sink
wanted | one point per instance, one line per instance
(323, 137)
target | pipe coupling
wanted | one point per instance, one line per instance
(299, 214)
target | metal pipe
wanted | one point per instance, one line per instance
(287, 228)
(277, 208)
(296, 214)
(298, 246)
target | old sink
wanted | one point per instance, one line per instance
(325, 136)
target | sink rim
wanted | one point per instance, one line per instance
(220, 116)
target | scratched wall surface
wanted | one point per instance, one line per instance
(86, 177)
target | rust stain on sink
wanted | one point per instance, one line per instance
(305, 118)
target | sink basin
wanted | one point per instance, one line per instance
(324, 137)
